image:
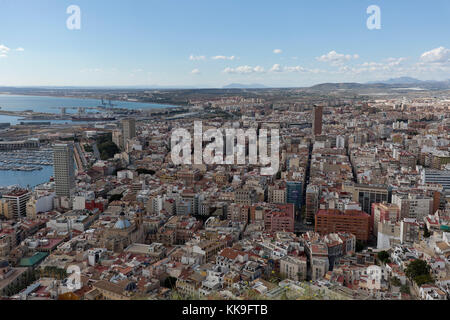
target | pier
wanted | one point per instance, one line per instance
(26, 160)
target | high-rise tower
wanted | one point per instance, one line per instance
(128, 129)
(317, 120)
(64, 169)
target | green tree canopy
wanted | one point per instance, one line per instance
(115, 197)
(396, 282)
(423, 279)
(359, 246)
(170, 282)
(145, 171)
(404, 289)
(383, 256)
(419, 271)
(417, 268)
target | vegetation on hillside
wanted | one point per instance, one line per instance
(106, 147)
(419, 272)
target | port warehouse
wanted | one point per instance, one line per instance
(17, 145)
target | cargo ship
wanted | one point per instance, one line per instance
(93, 118)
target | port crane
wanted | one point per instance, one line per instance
(109, 103)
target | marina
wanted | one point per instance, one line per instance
(32, 167)
(26, 160)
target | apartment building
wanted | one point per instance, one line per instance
(383, 212)
(352, 221)
(17, 203)
(277, 194)
(294, 268)
(279, 218)
(366, 195)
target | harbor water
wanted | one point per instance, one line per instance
(48, 105)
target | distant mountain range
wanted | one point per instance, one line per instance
(394, 84)
(407, 80)
(405, 83)
(401, 80)
(244, 86)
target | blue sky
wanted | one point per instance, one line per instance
(209, 43)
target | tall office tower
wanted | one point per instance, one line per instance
(317, 120)
(128, 129)
(294, 193)
(64, 169)
(312, 202)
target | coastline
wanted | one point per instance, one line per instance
(167, 105)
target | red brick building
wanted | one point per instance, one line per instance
(280, 217)
(352, 221)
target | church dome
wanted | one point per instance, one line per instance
(122, 224)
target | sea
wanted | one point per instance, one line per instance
(49, 105)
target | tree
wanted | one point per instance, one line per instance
(404, 289)
(396, 282)
(383, 256)
(145, 171)
(170, 282)
(359, 246)
(423, 279)
(419, 271)
(107, 150)
(201, 217)
(284, 296)
(106, 147)
(115, 197)
(417, 268)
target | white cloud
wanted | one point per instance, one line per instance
(276, 68)
(438, 55)
(390, 67)
(296, 69)
(258, 69)
(244, 70)
(389, 62)
(223, 58)
(392, 62)
(335, 58)
(196, 58)
(195, 71)
(280, 69)
(4, 51)
(277, 51)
